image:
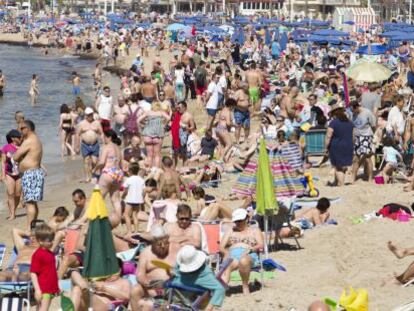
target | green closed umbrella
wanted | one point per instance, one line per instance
(100, 260)
(266, 204)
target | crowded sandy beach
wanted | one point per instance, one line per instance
(201, 162)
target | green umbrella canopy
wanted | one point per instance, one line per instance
(265, 194)
(100, 260)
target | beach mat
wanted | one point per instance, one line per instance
(254, 275)
(311, 202)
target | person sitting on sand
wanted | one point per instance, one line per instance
(114, 288)
(148, 275)
(59, 219)
(391, 156)
(207, 208)
(400, 253)
(241, 244)
(207, 147)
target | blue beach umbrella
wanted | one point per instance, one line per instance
(376, 49)
(283, 41)
(268, 38)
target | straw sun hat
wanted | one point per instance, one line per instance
(189, 259)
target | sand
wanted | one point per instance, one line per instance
(332, 258)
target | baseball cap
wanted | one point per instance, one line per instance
(89, 110)
(239, 214)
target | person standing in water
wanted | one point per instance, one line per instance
(29, 156)
(34, 90)
(2, 83)
(75, 84)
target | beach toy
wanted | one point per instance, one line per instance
(307, 181)
(269, 264)
(379, 180)
(128, 267)
(403, 216)
(161, 264)
(355, 300)
(331, 303)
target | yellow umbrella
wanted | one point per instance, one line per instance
(366, 71)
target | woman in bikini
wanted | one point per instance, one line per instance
(241, 243)
(65, 130)
(224, 124)
(10, 172)
(153, 133)
(111, 176)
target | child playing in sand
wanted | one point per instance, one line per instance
(133, 196)
(391, 156)
(43, 268)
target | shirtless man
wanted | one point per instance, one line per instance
(75, 84)
(20, 271)
(148, 274)
(104, 292)
(187, 125)
(169, 92)
(287, 105)
(254, 80)
(241, 112)
(121, 111)
(97, 76)
(148, 90)
(2, 83)
(29, 156)
(89, 131)
(183, 232)
(171, 177)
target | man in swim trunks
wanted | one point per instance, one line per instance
(75, 84)
(148, 90)
(148, 274)
(29, 157)
(89, 130)
(254, 80)
(241, 112)
(187, 125)
(171, 177)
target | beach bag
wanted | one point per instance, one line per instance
(355, 300)
(130, 123)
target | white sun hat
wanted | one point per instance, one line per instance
(189, 259)
(239, 214)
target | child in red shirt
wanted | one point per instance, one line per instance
(43, 268)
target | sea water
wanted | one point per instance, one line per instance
(18, 64)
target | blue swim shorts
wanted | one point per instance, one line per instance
(242, 118)
(90, 150)
(76, 90)
(236, 254)
(211, 112)
(33, 181)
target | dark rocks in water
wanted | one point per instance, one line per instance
(116, 70)
(23, 43)
(87, 55)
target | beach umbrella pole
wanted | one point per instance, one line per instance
(266, 229)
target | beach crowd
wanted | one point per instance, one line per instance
(181, 124)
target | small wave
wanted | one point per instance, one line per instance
(69, 56)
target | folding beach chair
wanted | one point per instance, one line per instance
(20, 289)
(190, 298)
(283, 220)
(14, 304)
(2, 254)
(212, 232)
(315, 143)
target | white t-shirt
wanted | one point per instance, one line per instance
(179, 75)
(396, 118)
(213, 89)
(105, 107)
(135, 185)
(222, 83)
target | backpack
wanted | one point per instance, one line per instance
(130, 123)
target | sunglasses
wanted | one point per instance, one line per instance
(23, 127)
(279, 120)
(184, 219)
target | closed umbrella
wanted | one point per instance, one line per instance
(365, 71)
(268, 38)
(283, 41)
(266, 204)
(100, 260)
